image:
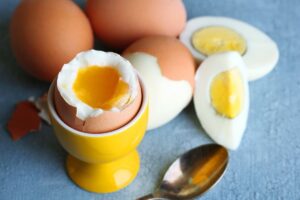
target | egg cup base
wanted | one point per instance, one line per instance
(104, 177)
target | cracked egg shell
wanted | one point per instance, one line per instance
(97, 92)
(107, 121)
(167, 68)
(174, 59)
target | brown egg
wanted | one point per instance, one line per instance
(46, 34)
(120, 22)
(107, 121)
(175, 60)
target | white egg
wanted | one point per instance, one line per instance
(69, 72)
(221, 98)
(167, 98)
(208, 35)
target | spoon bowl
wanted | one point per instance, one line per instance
(193, 173)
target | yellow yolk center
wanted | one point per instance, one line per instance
(227, 93)
(215, 39)
(101, 87)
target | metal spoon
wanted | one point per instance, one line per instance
(192, 174)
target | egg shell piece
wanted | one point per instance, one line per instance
(224, 131)
(120, 22)
(167, 98)
(106, 121)
(24, 119)
(46, 34)
(174, 59)
(68, 74)
(262, 53)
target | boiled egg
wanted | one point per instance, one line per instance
(97, 92)
(46, 34)
(205, 36)
(221, 97)
(168, 69)
(118, 23)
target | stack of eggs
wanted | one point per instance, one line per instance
(99, 91)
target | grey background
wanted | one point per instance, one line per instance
(266, 165)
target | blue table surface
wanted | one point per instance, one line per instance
(266, 165)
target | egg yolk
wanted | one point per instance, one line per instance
(101, 87)
(215, 39)
(227, 93)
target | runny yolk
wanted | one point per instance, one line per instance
(227, 93)
(101, 87)
(215, 39)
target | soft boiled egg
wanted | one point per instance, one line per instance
(168, 69)
(97, 92)
(205, 36)
(221, 98)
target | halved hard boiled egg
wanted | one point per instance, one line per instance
(97, 92)
(205, 36)
(167, 68)
(221, 97)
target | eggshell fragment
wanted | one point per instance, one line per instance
(120, 22)
(107, 121)
(46, 34)
(41, 104)
(25, 119)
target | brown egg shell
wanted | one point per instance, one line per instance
(175, 60)
(107, 121)
(120, 22)
(46, 34)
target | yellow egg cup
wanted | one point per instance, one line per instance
(105, 162)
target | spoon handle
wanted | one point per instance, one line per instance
(151, 197)
(147, 197)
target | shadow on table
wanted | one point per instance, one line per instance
(192, 116)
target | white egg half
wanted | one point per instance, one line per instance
(167, 98)
(69, 72)
(221, 98)
(207, 35)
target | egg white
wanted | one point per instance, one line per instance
(225, 131)
(262, 53)
(167, 98)
(68, 74)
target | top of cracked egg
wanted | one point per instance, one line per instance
(96, 81)
(205, 36)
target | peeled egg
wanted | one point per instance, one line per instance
(205, 36)
(221, 98)
(46, 34)
(120, 22)
(97, 92)
(168, 69)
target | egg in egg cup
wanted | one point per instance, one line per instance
(101, 162)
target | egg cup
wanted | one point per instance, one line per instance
(104, 162)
